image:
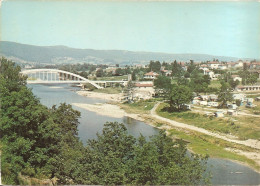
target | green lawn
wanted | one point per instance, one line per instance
(243, 127)
(140, 107)
(203, 144)
(215, 84)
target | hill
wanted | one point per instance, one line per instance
(61, 54)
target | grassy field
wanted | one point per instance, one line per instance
(141, 107)
(243, 127)
(215, 84)
(109, 90)
(203, 144)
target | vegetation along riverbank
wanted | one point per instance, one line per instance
(39, 145)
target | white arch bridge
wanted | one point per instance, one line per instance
(38, 76)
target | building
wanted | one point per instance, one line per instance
(242, 88)
(213, 64)
(236, 77)
(143, 90)
(255, 65)
(151, 75)
(222, 67)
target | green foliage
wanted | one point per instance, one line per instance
(162, 86)
(224, 94)
(133, 76)
(155, 66)
(252, 78)
(42, 143)
(116, 157)
(30, 133)
(179, 96)
(99, 73)
(176, 69)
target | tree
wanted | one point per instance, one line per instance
(176, 69)
(155, 66)
(252, 78)
(100, 73)
(191, 66)
(224, 94)
(119, 72)
(129, 90)
(179, 96)
(116, 157)
(162, 86)
(133, 76)
(233, 84)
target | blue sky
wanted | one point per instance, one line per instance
(217, 28)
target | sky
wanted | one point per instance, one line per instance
(216, 28)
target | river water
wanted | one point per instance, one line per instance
(224, 172)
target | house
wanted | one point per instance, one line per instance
(166, 72)
(143, 90)
(213, 64)
(204, 97)
(213, 97)
(255, 65)
(222, 67)
(151, 75)
(236, 77)
(244, 88)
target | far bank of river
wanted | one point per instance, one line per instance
(224, 172)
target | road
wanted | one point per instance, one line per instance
(250, 142)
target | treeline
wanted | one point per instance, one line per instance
(42, 143)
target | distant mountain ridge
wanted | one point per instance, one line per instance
(63, 54)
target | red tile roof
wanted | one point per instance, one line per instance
(143, 85)
(151, 74)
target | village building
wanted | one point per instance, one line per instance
(213, 64)
(222, 67)
(236, 77)
(248, 88)
(151, 75)
(143, 90)
(255, 65)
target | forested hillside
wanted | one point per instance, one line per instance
(63, 54)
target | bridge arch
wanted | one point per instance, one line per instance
(55, 76)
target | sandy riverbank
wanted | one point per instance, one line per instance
(116, 112)
(109, 97)
(107, 110)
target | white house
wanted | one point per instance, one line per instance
(236, 77)
(144, 90)
(151, 75)
(213, 64)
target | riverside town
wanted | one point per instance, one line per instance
(129, 93)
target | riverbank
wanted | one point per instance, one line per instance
(108, 97)
(108, 110)
(198, 142)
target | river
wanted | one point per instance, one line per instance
(225, 172)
